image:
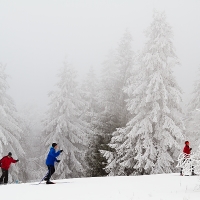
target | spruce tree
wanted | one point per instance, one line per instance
(10, 127)
(64, 125)
(150, 141)
(115, 73)
(89, 91)
(31, 119)
(124, 61)
(113, 112)
(108, 98)
(107, 118)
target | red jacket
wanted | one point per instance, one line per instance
(6, 161)
(186, 150)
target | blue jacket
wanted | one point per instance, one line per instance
(51, 157)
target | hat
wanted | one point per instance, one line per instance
(54, 144)
(9, 154)
(186, 142)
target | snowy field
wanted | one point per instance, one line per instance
(155, 187)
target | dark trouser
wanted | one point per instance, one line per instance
(4, 177)
(51, 169)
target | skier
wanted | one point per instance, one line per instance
(51, 159)
(187, 151)
(5, 163)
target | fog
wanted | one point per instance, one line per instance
(37, 36)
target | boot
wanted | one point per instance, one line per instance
(193, 174)
(49, 182)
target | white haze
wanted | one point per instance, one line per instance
(38, 35)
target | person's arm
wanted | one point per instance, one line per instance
(54, 153)
(14, 161)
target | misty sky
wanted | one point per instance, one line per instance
(37, 35)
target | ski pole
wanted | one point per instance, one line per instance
(44, 177)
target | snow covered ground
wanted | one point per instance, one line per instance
(152, 187)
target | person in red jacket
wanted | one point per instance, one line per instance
(187, 151)
(5, 163)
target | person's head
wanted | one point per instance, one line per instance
(187, 143)
(9, 154)
(55, 146)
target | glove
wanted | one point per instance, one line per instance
(58, 161)
(17, 160)
(190, 149)
(61, 151)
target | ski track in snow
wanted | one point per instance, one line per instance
(152, 187)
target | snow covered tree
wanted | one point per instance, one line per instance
(95, 161)
(10, 129)
(89, 91)
(31, 120)
(108, 97)
(115, 73)
(124, 61)
(106, 119)
(64, 125)
(151, 139)
(192, 117)
(111, 98)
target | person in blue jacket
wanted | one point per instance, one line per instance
(50, 161)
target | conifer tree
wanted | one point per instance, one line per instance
(106, 119)
(10, 128)
(115, 73)
(33, 165)
(124, 61)
(108, 97)
(150, 141)
(89, 91)
(113, 112)
(65, 126)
